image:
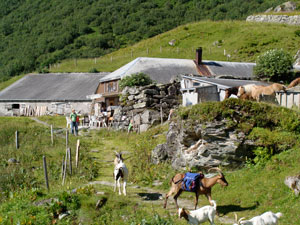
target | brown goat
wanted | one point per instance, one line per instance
(204, 189)
(266, 90)
(294, 83)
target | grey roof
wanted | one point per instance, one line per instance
(53, 87)
(240, 70)
(225, 83)
(161, 70)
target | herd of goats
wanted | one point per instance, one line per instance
(254, 92)
(201, 215)
(207, 213)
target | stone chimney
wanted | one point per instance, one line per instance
(199, 55)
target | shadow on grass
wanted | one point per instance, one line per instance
(225, 209)
(150, 196)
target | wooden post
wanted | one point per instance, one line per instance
(161, 115)
(67, 138)
(224, 51)
(111, 58)
(52, 141)
(62, 166)
(70, 161)
(17, 140)
(95, 60)
(45, 173)
(65, 167)
(77, 153)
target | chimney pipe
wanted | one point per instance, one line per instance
(199, 55)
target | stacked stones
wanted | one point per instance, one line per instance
(146, 105)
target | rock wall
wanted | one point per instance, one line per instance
(202, 146)
(291, 20)
(146, 105)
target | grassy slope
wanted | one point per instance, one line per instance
(244, 41)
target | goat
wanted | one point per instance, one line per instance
(245, 89)
(294, 83)
(231, 91)
(266, 90)
(200, 215)
(203, 189)
(120, 172)
(267, 218)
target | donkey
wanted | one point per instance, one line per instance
(203, 189)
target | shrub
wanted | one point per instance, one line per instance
(93, 70)
(273, 65)
(137, 79)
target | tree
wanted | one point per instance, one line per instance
(137, 79)
(274, 65)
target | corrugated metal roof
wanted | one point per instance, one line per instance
(163, 69)
(53, 86)
(225, 83)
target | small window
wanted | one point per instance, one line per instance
(15, 106)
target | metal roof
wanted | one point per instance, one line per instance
(162, 70)
(53, 87)
(224, 83)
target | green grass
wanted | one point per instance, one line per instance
(56, 121)
(9, 82)
(244, 41)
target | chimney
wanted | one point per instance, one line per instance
(199, 55)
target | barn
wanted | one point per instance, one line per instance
(46, 94)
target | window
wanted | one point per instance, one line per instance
(15, 106)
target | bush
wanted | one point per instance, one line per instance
(274, 65)
(137, 79)
(93, 70)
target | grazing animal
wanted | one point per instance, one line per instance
(200, 215)
(120, 173)
(294, 83)
(204, 189)
(267, 218)
(245, 89)
(231, 91)
(266, 90)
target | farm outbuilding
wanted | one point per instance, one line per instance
(42, 94)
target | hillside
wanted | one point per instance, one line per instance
(35, 34)
(253, 189)
(243, 41)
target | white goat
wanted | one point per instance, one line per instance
(120, 172)
(200, 215)
(267, 218)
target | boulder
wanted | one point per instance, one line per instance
(293, 182)
(144, 127)
(140, 105)
(286, 7)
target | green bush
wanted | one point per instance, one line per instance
(93, 70)
(137, 79)
(274, 65)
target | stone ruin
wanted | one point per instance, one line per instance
(146, 106)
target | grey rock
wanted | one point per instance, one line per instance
(131, 97)
(133, 90)
(140, 105)
(293, 182)
(150, 92)
(144, 127)
(13, 161)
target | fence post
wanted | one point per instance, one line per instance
(95, 60)
(17, 141)
(67, 138)
(70, 160)
(62, 166)
(52, 141)
(65, 167)
(45, 173)
(77, 153)
(111, 58)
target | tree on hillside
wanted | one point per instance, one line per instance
(274, 65)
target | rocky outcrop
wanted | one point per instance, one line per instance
(291, 20)
(293, 182)
(203, 145)
(147, 105)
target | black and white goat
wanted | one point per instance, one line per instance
(200, 215)
(267, 218)
(120, 172)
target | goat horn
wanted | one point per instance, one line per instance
(240, 220)
(235, 217)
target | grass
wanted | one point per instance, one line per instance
(243, 41)
(57, 121)
(9, 82)
(251, 191)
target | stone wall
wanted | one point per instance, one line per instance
(146, 105)
(291, 20)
